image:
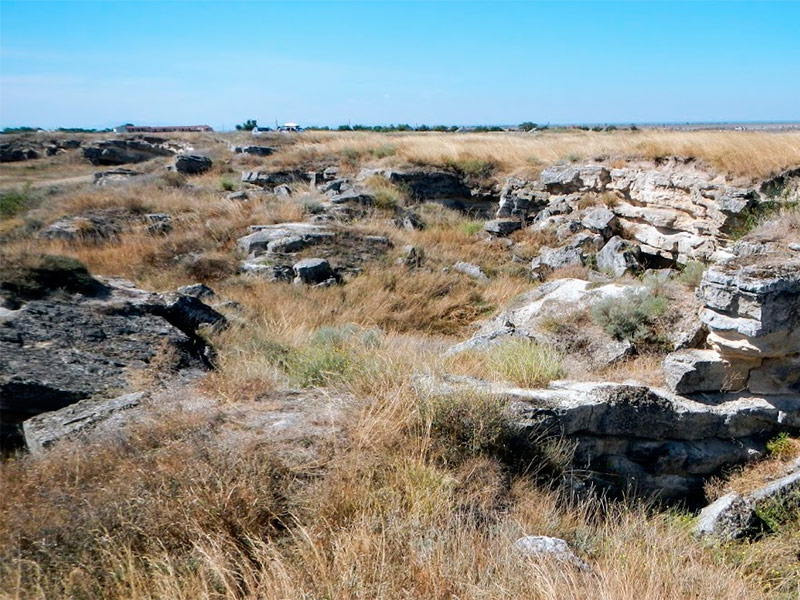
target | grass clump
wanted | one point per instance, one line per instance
(465, 427)
(782, 446)
(227, 184)
(13, 202)
(331, 356)
(691, 274)
(633, 316)
(525, 363)
(472, 227)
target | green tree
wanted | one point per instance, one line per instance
(248, 125)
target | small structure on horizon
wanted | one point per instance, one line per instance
(290, 128)
(128, 128)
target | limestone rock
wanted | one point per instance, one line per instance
(471, 270)
(47, 428)
(690, 371)
(542, 546)
(600, 220)
(502, 227)
(114, 176)
(619, 257)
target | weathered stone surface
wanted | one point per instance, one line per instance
(271, 179)
(192, 164)
(733, 516)
(196, 290)
(600, 220)
(254, 150)
(752, 312)
(619, 257)
(294, 235)
(690, 371)
(354, 196)
(471, 270)
(631, 437)
(424, 184)
(122, 151)
(158, 223)
(33, 147)
(502, 227)
(114, 176)
(95, 226)
(673, 209)
(97, 342)
(557, 258)
(47, 428)
(542, 546)
(313, 270)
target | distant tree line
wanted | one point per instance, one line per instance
(10, 130)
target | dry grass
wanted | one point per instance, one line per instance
(166, 513)
(739, 153)
(420, 498)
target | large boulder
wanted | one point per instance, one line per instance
(313, 270)
(192, 164)
(254, 150)
(502, 227)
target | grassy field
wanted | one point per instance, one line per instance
(416, 498)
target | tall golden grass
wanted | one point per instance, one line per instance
(746, 154)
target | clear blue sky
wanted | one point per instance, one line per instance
(98, 64)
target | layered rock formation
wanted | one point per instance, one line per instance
(672, 209)
(752, 312)
(632, 438)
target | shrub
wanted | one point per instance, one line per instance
(384, 151)
(527, 126)
(525, 363)
(632, 316)
(248, 125)
(13, 202)
(781, 446)
(227, 184)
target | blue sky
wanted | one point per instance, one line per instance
(98, 64)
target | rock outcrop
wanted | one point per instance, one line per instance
(192, 164)
(673, 209)
(752, 312)
(735, 515)
(132, 150)
(631, 438)
(29, 148)
(60, 348)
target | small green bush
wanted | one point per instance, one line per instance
(525, 363)
(781, 446)
(13, 202)
(384, 151)
(632, 316)
(227, 184)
